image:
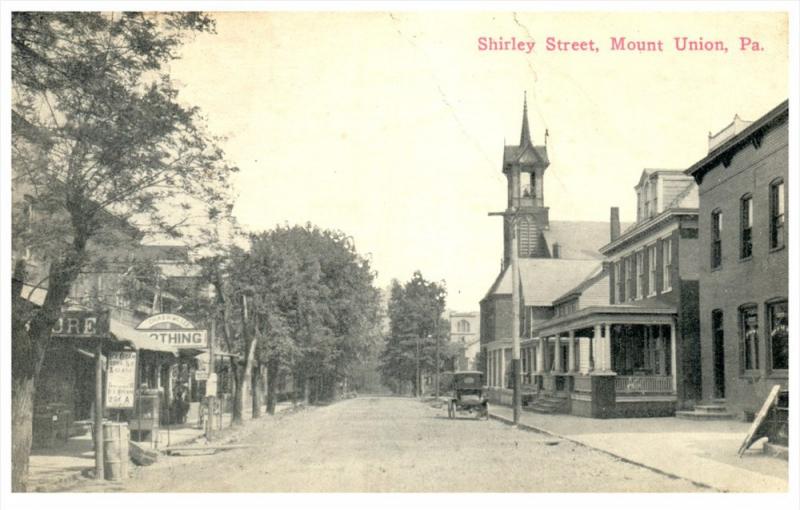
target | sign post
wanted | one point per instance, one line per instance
(89, 325)
(99, 472)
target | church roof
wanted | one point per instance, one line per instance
(544, 280)
(527, 154)
(579, 240)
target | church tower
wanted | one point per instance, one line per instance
(524, 167)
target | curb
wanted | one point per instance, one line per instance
(531, 428)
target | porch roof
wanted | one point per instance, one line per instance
(656, 313)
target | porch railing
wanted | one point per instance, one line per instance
(641, 384)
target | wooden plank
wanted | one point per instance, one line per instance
(208, 447)
(755, 428)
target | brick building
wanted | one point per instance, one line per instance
(744, 261)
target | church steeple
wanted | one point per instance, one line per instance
(525, 136)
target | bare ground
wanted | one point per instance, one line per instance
(398, 445)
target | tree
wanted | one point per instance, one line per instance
(415, 326)
(97, 132)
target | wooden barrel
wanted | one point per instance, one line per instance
(115, 450)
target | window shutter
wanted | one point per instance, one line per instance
(659, 266)
(612, 283)
(646, 271)
(623, 277)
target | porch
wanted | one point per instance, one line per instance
(609, 361)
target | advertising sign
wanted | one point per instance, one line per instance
(174, 330)
(121, 379)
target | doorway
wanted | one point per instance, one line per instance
(718, 348)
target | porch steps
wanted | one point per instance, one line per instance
(548, 404)
(714, 411)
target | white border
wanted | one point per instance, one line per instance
(403, 501)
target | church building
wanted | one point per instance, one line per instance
(553, 256)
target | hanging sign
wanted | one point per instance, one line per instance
(173, 330)
(201, 374)
(120, 379)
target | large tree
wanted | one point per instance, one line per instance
(416, 330)
(97, 133)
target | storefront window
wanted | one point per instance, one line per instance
(778, 314)
(748, 323)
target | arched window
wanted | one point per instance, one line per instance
(462, 326)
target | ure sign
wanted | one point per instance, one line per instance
(121, 379)
(82, 324)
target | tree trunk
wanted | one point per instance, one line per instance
(272, 381)
(236, 409)
(22, 395)
(256, 388)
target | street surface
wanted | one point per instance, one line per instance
(381, 444)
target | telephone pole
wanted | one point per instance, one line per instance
(513, 215)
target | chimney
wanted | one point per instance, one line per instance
(614, 223)
(556, 251)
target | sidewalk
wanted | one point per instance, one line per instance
(701, 452)
(54, 467)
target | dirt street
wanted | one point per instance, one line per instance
(394, 444)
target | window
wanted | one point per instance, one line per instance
(651, 255)
(462, 326)
(778, 335)
(748, 327)
(631, 277)
(716, 239)
(620, 282)
(666, 258)
(640, 273)
(777, 211)
(746, 233)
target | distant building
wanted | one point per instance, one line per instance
(465, 332)
(744, 261)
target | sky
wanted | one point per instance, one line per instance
(390, 126)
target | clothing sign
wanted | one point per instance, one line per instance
(173, 330)
(121, 379)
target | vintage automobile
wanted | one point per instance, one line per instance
(468, 395)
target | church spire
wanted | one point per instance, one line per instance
(525, 136)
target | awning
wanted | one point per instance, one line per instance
(658, 313)
(140, 339)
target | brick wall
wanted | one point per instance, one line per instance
(758, 279)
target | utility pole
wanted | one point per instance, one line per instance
(513, 215)
(417, 381)
(438, 368)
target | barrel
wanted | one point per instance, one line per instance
(115, 450)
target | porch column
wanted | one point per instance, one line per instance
(502, 353)
(672, 342)
(584, 345)
(596, 342)
(607, 348)
(557, 364)
(540, 355)
(571, 352)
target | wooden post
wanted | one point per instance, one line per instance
(99, 471)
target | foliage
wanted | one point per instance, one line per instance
(415, 323)
(102, 153)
